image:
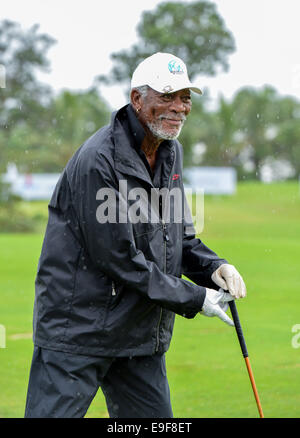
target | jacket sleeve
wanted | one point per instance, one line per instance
(198, 261)
(112, 248)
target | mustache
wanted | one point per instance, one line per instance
(181, 118)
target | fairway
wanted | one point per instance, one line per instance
(257, 230)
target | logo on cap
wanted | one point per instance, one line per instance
(167, 89)
(175, 67)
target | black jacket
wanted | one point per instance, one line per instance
(112, 288)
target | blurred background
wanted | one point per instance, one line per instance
(64, 67)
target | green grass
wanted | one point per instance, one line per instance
(257, 230)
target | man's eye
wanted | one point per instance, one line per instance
(167, 96)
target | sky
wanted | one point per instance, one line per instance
(266, 33)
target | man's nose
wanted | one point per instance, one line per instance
(178, 105)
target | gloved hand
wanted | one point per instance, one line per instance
(216, 304)
(228, 278)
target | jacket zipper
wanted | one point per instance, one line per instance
(166, 239)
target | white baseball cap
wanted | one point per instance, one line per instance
(164, 73)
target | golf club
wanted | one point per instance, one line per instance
(242, 342)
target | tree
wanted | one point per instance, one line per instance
(255, 114)
(75, 116)
(40, 131)
(257, 127)
(192, 31)
(22, 53)
(219, 136)
(68, 120)
(286, 138)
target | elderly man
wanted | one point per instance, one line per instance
(109, 280)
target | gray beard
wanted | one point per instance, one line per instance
(158, 132)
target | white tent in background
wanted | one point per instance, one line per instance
(35, 186)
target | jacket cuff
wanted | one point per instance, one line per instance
(199, 297)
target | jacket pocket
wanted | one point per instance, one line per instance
(148, 239)
(117, 295)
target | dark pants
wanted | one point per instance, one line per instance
(63, 385)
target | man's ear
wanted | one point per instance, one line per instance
(135, 99)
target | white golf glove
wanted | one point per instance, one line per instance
(228, 278)
(216, 304)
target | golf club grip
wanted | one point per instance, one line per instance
(238, 327)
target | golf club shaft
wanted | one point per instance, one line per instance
(261, 414)
(242, 342)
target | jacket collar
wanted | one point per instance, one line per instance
(127, 159)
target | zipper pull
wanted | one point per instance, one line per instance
(113, 289)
